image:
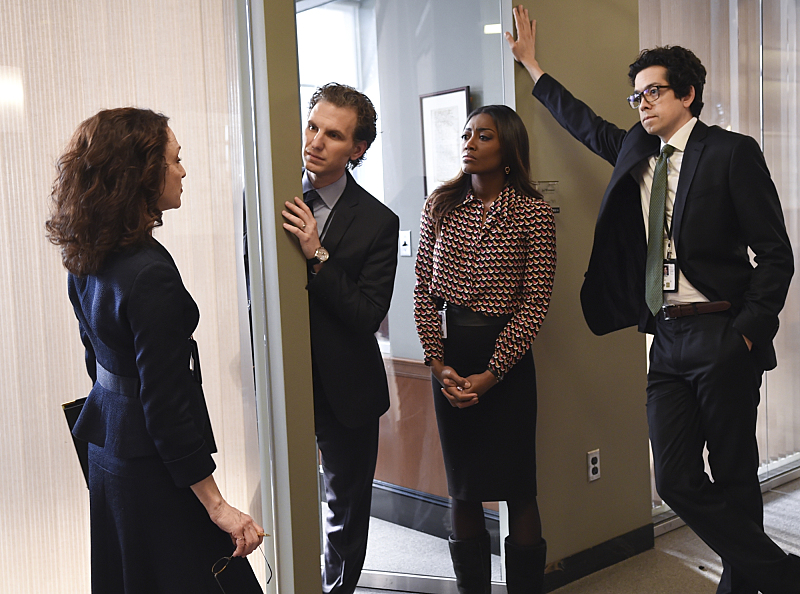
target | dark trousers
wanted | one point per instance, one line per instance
(703, 390)
(348, 467)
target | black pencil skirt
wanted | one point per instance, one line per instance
(490, 448)
(151, 537)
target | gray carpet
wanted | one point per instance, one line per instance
(680, 562)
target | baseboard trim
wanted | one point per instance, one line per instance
(423, 512)
(558, 574)
(606, 554)
(430, 514)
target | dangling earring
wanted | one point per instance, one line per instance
(508, 169)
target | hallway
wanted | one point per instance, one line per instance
(680, 561)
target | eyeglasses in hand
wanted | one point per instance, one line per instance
(222, 564)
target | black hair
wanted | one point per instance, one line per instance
(684, 71)
(516, 158)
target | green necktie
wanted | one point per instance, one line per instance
(654, 269)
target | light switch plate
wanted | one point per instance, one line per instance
(405, 243)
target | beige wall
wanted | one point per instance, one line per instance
(591, 389)
(71, 59)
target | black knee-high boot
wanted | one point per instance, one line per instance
(472, 562)
(525, 568)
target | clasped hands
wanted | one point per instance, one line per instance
(462, 392)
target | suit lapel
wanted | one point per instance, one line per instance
(343, 215)
(691, 157)
(639, 146)
(642, 146)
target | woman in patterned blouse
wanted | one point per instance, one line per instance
(485, 268)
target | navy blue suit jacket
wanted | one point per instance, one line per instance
(725, 202)
(135, 319)
(348, 299)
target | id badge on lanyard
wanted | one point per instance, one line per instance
(670, 270)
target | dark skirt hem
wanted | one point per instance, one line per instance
(149, 536)
(489, 449)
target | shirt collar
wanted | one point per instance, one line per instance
(681, 137)
(506, 194)
(331, 193)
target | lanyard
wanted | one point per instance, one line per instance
(668, 231)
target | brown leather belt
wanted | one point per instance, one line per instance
(672, 312)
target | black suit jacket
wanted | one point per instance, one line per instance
(135, 318)
(348, 299)
(725, 202)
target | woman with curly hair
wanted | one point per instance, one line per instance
(485, 269)
(158, 520)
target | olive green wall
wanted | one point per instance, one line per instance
(591, 389)
(290, 411)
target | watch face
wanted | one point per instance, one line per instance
(321, 254)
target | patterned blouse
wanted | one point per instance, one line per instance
(504, 266)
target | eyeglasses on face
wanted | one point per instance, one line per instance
(222, 564)
(650, 94)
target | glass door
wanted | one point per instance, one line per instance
(396, 51)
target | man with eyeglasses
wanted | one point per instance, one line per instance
(685, 203)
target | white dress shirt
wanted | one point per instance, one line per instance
(686, 292)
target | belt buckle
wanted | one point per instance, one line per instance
(665, 310)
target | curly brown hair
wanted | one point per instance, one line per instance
(109, 181)
(345, 96)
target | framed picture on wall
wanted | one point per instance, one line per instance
(443, 117)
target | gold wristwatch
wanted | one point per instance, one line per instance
(320, 256)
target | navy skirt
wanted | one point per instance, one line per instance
(490, 448)
(149, 536)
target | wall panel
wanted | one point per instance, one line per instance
(59, 63)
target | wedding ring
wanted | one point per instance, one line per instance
(303, 227)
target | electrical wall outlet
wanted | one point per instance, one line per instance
(593, 464)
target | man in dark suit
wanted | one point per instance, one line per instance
(684, 275)
(350, 241)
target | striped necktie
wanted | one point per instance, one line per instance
(654, 269)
